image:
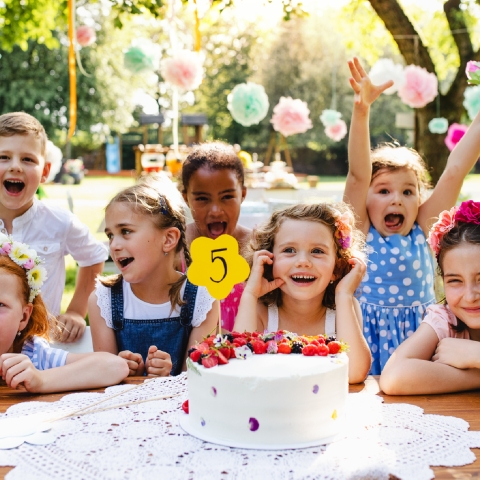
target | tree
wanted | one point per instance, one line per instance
(414, 51)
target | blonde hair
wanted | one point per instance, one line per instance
(157, 198)
(21, 123)
(263, 238)
(391, 157)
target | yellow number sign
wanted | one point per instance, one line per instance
(217, 265)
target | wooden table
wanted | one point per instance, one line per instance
(463, 405)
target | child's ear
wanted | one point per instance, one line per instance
(170, 239)
(244, 192)
(27, 313)
(46, 171)
(184, 195)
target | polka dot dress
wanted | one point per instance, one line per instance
(395, 291)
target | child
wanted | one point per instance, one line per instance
(52, 231)
(25, 355)
(304, 274)
(149, 313)
(386, 194)
(213, 187)
(443, 355)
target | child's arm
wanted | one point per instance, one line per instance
(360, 167)
(459, 163)
(82, 371)
(247, 319)
(410, 370)
(349, 322)
(74, 317)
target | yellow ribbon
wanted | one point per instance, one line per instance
(72, 69)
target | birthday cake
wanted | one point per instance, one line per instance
(276, 390)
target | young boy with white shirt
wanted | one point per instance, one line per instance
(52, 231)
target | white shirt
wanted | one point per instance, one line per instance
(136, 309)
(54, 232)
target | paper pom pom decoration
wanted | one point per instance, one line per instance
(291, 116)
(455, 132)
(384, 70)
(140, 58)
(329, 118)
(473, 72)
(248, 103)
(183, 71)
(336, 132)
(438, 125)
(419, 88)
(471, 101)
(86, 36)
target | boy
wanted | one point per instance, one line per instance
(53, 232)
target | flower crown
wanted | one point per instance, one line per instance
(28, 259)
(344, 229)
(467, 212)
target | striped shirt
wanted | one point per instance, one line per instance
(42, 355)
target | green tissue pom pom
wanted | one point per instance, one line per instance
(329, 118)
(471, 101)
(248, 103)
(138, 59)
(438, 125)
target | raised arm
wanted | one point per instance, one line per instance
(410, 370)
(359, 164)
(459, 163)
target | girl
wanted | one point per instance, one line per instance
(149, 313)
(443, 355)
(386, 191)
(26, 358)
(213, 187)
(304, 274)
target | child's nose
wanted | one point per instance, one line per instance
(472, 293)
(15, 163)
(396, 198)
(303, 259)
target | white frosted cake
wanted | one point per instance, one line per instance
(268, 401)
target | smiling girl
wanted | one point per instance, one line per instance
(149, 314)
(386, 189)
(213, 187)
(305, 268)
(443, 355)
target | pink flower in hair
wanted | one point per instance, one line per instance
(7, 247)
(344, 229)
(469, 212)
(446, 221)
(29, 264)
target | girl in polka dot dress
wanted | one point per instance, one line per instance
(386, 189)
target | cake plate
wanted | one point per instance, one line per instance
(200, 434)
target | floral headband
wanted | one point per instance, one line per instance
(467, 212)
(28, 259)
(344, 229)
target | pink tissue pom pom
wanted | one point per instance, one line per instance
(455, 132)
(183, 71)
(336, 132)
(291, 116)
(420, 87)
(86, 35)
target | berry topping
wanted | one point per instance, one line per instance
(195, 355)
(297, 347)
(185, 406)
(284, 348)
(210, 361)
(322, 350)
(310, 350)
(250, 346)
(334, 347)
(259, 347)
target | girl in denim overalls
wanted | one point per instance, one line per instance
(149, 314)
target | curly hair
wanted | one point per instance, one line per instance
(157, 198)
(263, 238)
(391, 157)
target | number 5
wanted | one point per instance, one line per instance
(218, 257)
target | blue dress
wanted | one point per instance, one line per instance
(395, 291)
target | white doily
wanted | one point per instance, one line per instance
(144, 441)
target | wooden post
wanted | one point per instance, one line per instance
(271, 144)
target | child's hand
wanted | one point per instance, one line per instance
(73, 326)
(134, 361)
(257, 284)
(350, 282)
(365, 92)
(458, 352)
(159, 364)
(17, 369)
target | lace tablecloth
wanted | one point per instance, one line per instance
(145, 441)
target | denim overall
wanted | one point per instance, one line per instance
(167, 334)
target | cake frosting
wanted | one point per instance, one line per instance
(281, 400)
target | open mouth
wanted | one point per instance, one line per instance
(14, 186)
(217, 228)
(303, 278)
(125, 261)
(394, 220)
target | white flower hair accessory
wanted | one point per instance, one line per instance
(28, 259)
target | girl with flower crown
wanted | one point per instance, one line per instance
(305, 267)
(443, 355)
(387, 191)
(26, 358)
